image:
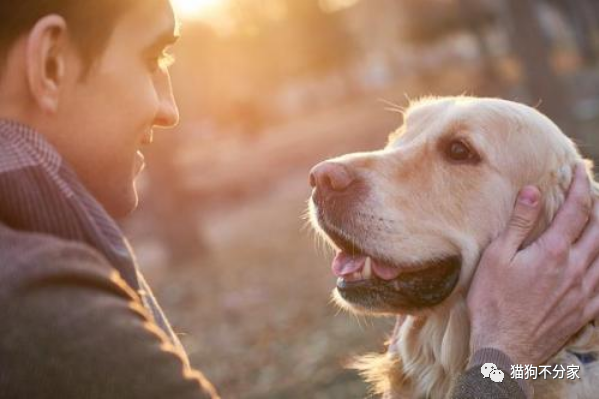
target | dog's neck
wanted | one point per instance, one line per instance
(432, 350)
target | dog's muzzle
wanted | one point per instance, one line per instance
(408, 292)
(382, 286)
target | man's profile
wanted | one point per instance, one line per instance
(82, 85)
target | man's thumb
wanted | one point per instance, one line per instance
(524, 218)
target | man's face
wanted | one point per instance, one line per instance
(107, 117)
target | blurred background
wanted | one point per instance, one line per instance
(268, 88)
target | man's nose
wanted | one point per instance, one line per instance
(167, 114)
(331, 177)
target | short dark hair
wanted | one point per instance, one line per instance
(90, 22)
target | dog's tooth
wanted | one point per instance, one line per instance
(355, 276)
(367, 270)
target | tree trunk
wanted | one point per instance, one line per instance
(493, 82)
(531, 47)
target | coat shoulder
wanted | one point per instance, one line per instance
(27, 256)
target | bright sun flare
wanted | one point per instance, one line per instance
(194, 8)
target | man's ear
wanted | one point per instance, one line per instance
(47, 46)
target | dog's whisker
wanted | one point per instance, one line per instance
(369, 321)
(355, 317)
(306, 226)
(394, 110)
(339, 310)
(323, 246)
(393, 106)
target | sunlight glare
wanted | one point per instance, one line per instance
(186, 9)
(336, 5)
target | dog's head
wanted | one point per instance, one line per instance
(410, 221)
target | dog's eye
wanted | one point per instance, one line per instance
(459, 151)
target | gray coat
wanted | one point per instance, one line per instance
(78, 319)
(72, 328)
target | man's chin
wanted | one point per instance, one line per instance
(126, 206)
(121, 204)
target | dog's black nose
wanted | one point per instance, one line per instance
(331, 176)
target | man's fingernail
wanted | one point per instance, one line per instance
(529, 196)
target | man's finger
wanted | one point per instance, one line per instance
(591, 310)
(587, 246)
(572, 216)
(523, 220)
(591, 278)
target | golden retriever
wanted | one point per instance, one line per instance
(410, 222)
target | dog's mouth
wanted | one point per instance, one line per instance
(379, 285)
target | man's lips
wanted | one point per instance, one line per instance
(148, 138)
(140, 162)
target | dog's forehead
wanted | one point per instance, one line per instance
(497, 129)
(431, 122)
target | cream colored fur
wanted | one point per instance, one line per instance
(423, 207)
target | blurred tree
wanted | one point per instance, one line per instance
(534, 53)
(175, 210)
(475, 20)
(267, 44)
(292, 38)
(583, 18)
(320, 37)
(426, 21)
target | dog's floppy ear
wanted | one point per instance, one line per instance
(594, 184)
(554, 192)
(591, 172)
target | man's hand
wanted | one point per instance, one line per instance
(529, 302)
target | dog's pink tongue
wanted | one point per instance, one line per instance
(386, 272)
(345, 264)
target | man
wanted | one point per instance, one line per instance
(82, 85)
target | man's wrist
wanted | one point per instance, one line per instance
(490, 355)
(502, 361)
